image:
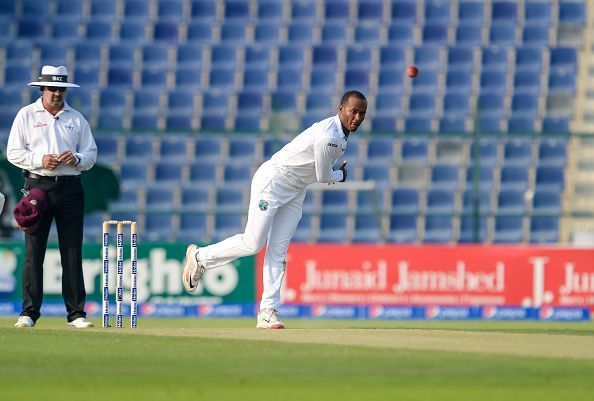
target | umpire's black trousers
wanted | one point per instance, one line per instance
(66, 206)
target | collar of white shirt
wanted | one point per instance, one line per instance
(339, 125)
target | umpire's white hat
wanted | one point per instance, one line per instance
(54, 76)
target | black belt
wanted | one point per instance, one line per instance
(56, 178)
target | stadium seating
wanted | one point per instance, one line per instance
(544, 230)
(438, 229)
(193, 227)
(199, 68)
(403, 229)
(508, 230)
(226, 225)
(195, 198)
(367, 229)
(158, 226)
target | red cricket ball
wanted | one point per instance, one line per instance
(412, 71)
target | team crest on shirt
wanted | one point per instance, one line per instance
(69, 126)
(263, 205)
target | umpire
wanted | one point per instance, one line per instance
(52, 143)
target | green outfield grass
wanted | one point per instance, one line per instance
(203, 359)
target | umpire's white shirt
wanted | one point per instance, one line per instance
(309, 157)
(36, 132)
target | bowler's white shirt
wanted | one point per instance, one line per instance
(309, 157)
(36, 132)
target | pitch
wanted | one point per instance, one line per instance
(170, 359)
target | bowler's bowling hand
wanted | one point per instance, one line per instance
(344, 171)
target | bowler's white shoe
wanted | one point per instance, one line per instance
(24, 322)
(268, 319)
(193, 270)
(81, 323)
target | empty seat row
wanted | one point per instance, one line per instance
(442, 176)
(401, 200)
(427, 56)
(265, 32)
(134, 32)
(433, 19)
(371, 150)
(571, 11)
(336, 228)
(404, 11)
(183, 109)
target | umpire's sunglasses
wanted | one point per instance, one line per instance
(55, 88)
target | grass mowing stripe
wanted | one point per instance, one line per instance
(66, 364)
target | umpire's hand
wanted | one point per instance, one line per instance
(50, 161)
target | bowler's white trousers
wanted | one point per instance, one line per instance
(275, 210)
